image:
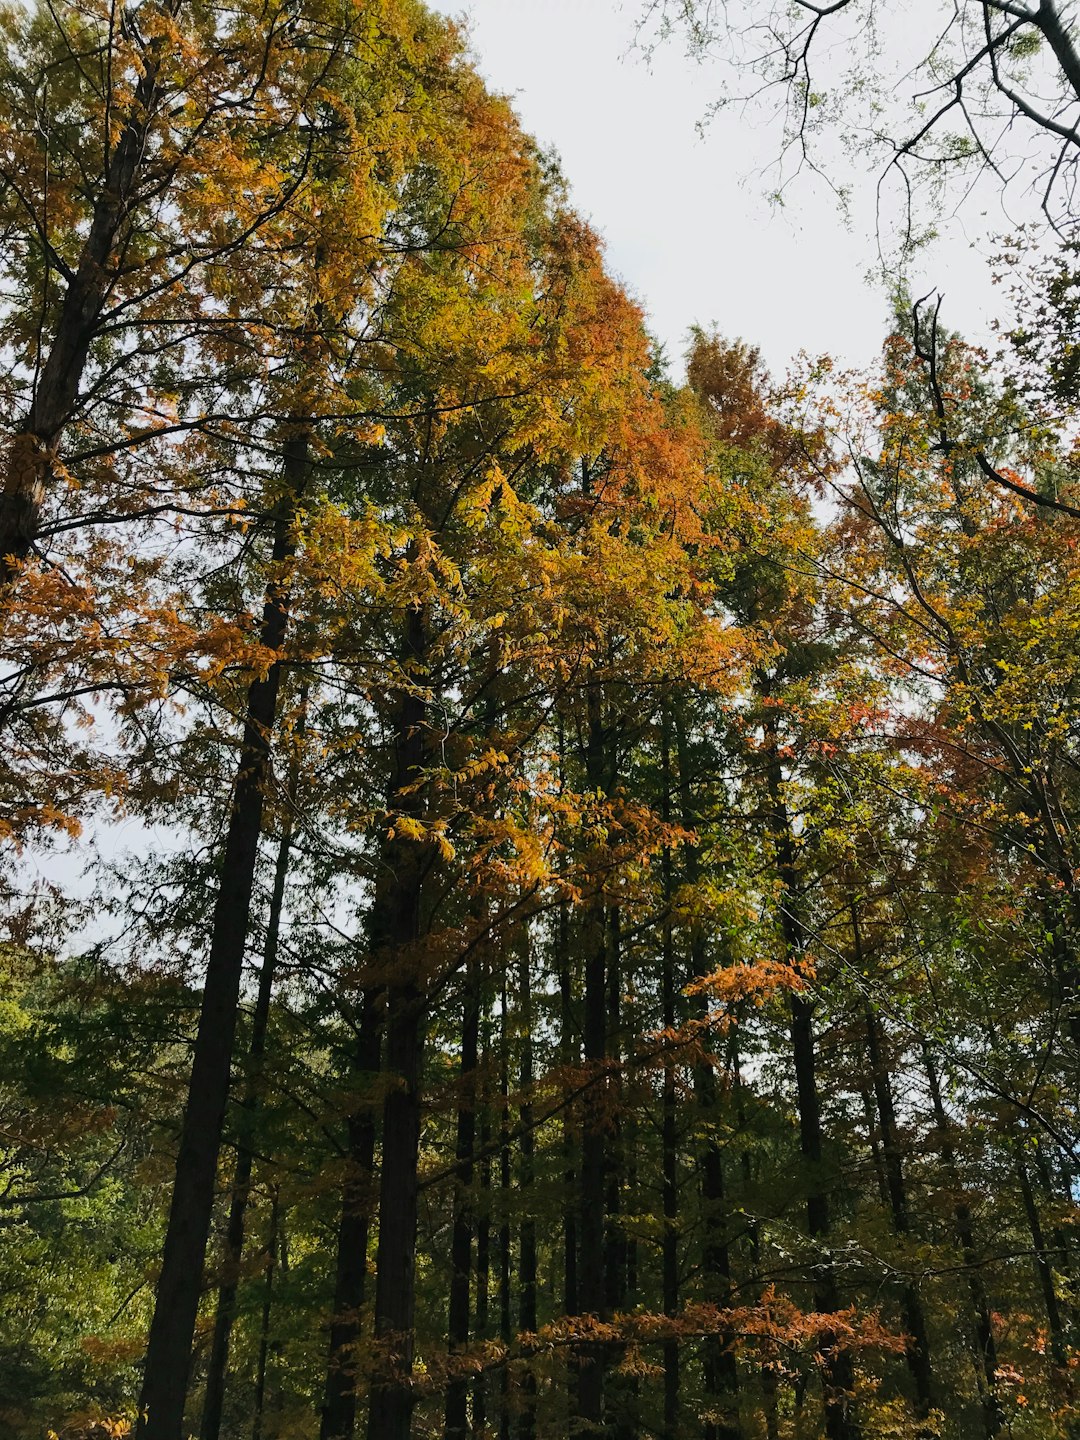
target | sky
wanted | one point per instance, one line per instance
(685, 215)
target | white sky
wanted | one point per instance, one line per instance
(687, 223)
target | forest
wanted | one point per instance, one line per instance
(564, 907)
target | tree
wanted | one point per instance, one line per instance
(996, 89)
(601, 953)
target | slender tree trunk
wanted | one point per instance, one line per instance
(838, 1371)
(506, 1258)
(483, 1230)
(338, 1418)
(614, 1239)
(395, 934)
(593, 1218)
(672, 1371)
(720, 1372)
(456, 1423)
(1056, 909)
(670, 1147)
(217, 1367)
(670, 1121)
(1044, 1270)
(629, 1421)
(619, 1399)
(917, 1351)
(527, 1268)
(390, 1412)
(768, 1371)
(259, 1400)
(168, 1356)
(569, 1056)
(876, 1157)
(591, 1224)
(1058, 1237)
(984, 1344)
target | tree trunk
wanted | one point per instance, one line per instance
(390, 1412)
(720, 1371)
(1043, 1269)
(1058, 1237)
(395, 934)
(619, 1400)
(456, 1423)
(614, 1239)
(483, 1229)
(506, 1257)
(769, 1358)
(259, 1400)
(876, 1157)
(984, 1345)
(569, 1056)
(168, 1356)
(838, 1371)
(217, 1367)
(630, 1421)
(338, 1419)
(670, 1114)
(527, 1268)
(917, 1350)
(592, 1223)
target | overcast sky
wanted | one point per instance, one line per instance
(688, 225)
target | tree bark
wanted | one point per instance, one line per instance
(456, 1422)
(506, 1258)
(217, 1366)
(1058, 1237)
(984, 1344)
(338, 1418)
(168, 1356)
(1044, 1271)
(569, 1056)
(262, 1364)
(620, 1396)
(614, 1238)
(592, 1222)
(670, 1120)
(838, 1371)
(483, 1229)
(917, 1350)
(720, 1371)
(395, 934)
(768, 1363)
(876, 1157)
(527, 1313)
(390, 1413)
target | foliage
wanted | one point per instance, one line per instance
(650, 999)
